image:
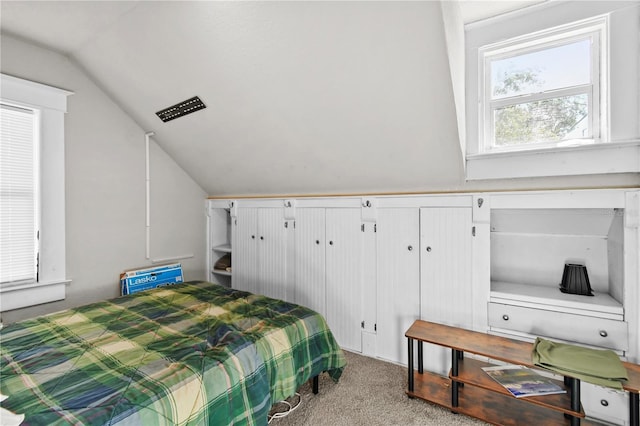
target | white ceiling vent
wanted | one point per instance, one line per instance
(180, 109)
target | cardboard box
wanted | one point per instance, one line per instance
(144, 279)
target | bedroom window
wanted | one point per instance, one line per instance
(18, 195)
(544, 90)
(32, 215)
(552, 90)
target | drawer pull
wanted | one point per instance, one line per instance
(603, 333)
(604, 402)
(505, 317)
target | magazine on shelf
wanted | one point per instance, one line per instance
(522, 381)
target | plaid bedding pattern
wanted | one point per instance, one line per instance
(190, 354)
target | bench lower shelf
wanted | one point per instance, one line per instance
(470, 372)
(490, 406)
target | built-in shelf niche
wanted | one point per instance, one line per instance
(529, 248)
(220, 240)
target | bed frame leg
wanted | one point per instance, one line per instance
(314, 385)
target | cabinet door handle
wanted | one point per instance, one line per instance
(604, 402)
(429, 248)
(317, 241)
(505, 317)
(410, 248)
(330, 243)
(253, 237)
(603, 333)
(261, 237)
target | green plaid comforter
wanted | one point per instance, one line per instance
(189, 354)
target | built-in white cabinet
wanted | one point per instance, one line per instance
(609, 405)
(310, 259)
(445, 245)
(245, 251)
(488, 262)
(445, 273)
(262, 240)
(398, 279)
(329, 269)
(533, 235)
(344, 276)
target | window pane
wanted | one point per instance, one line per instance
(17, 195)
(553, 68)
(548, 120)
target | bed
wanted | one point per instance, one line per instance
(187, 354)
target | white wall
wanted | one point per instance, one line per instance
(302, 97)
(454, 37)
(105, 187)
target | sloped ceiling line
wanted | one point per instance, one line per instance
(302, 97)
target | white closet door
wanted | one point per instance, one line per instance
(310, 260)
(445, 281)
(398, 277)
(344, 251)
(272, 253)
(245, 251)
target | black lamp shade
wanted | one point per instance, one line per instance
(575, 280)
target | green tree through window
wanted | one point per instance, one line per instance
(547, 120)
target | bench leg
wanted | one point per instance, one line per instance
(634, 403)
(410, 364)
(455, 357)
(314, 385)
(575, 400)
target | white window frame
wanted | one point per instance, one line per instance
(617, 150)
(50, 104)
(596, 91)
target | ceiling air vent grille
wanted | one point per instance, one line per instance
(180, 109)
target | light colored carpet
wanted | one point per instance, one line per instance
(370, 392)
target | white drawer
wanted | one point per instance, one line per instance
(588, 330)
(605, 404)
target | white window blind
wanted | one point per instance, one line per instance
(18, 195)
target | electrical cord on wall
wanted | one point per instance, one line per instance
(290, 409)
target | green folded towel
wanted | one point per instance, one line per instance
(600, 367)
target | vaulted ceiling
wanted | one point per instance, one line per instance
(302, 97)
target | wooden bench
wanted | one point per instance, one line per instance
(469, 390)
